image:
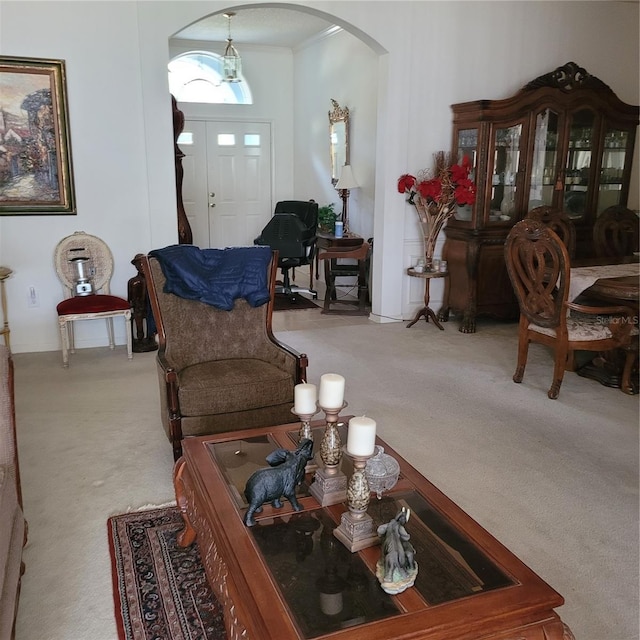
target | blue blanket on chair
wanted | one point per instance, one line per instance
(216, 276)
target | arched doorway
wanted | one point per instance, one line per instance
(315, 63)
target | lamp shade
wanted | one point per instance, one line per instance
(346, 181)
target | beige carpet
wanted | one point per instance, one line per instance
(555, 481)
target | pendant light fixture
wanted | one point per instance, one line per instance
(231, 65)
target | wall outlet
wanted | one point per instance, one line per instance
(33, 299)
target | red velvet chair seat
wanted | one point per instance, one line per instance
(95, 303)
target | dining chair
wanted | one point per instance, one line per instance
(615, 232)
(560, 222)
(88, 297)
(539, 269)
(220, 367)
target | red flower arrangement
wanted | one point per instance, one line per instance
(436, 193)
(450, 183)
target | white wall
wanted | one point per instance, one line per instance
(431, 54)
(343, 68)
(109, 157)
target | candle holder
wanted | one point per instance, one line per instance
(330, 484)
(356, 529)
(306, 432)
(305, 425)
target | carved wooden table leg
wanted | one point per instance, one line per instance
(613, 369)
(468, 324)
(426, 311)
(188, 535)
(627, 385)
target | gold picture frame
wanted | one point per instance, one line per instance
(36, 176)
(338, 139)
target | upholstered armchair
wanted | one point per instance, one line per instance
(219, 370)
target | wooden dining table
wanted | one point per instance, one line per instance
(621, 290)
(616, 288)
(608, 368)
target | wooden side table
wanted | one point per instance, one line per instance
(426, 311)
(5, 272)
(326, 240)
(333, 271)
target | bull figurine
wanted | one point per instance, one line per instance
(280, 479)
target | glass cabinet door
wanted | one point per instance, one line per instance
(467, 146)
(505, 166)
(577, 175)
(614, 155)
(544, 165)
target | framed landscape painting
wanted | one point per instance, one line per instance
(36, 175)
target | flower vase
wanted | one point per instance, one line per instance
(431, 227)
(432, 218)
(429, 250)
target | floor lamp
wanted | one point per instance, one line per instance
(346, 182)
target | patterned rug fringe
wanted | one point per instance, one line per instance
(160, 590)
(145, 507)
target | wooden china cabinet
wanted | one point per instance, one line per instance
(564, 140)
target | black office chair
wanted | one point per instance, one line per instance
(292, 232)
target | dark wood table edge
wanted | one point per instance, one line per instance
(539, 609)
(620, 290)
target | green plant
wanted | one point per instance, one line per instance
(327, 217)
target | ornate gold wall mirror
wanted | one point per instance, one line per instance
(338, 139)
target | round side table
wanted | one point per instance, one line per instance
(426, 311)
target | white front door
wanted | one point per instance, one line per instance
(227, 181)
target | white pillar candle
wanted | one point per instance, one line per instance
(361, 436)
(331, 391)
(331, 604)
(304, 396)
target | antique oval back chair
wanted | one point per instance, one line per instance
(98, 303)
(560, 222)
(219, 370)
(539, 269)
(615, 232)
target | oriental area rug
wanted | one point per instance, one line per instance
(160, 590)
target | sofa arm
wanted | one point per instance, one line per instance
(8, 445)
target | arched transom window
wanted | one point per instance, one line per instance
(196, 76)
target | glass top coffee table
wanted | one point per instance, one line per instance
(289, 577)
